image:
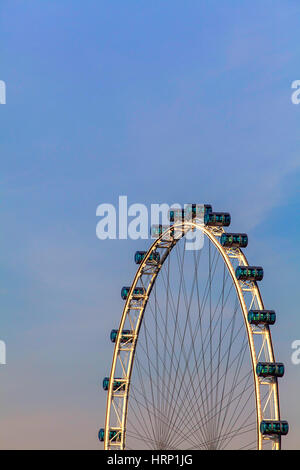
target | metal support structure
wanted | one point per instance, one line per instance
(259, 338)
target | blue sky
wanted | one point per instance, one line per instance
(161, 101)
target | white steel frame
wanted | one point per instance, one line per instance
(259, 337)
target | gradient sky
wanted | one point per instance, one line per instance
(162, 101)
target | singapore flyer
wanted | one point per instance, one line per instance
(150, 255)
(193, 364)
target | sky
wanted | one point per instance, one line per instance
(163, 102)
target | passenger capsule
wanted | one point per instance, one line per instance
(157, 230)
(138, 292)
(194, 211)
(118, 384)
(190, 211)
(217, 219)
(249, 273)
(140, 255)
(264, 317)
(176, 214)
(101, 435)
(234, 240)
(279, 428)
(270, 369)
(126, 336)
(112, 434)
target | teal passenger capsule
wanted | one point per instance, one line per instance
(105, 383)
(270, 369)
(195, 211)
(157, 230)
(279, 428)
(176, 214)
(140, 255)
(138, 292)
(217, 219)
(264, 317)
(112, 434)
(234, 240)
(190, 211)
(249, 273)
(101, 435)
(125, 336)
(118, 384)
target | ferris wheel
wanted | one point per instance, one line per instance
(193, 364)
